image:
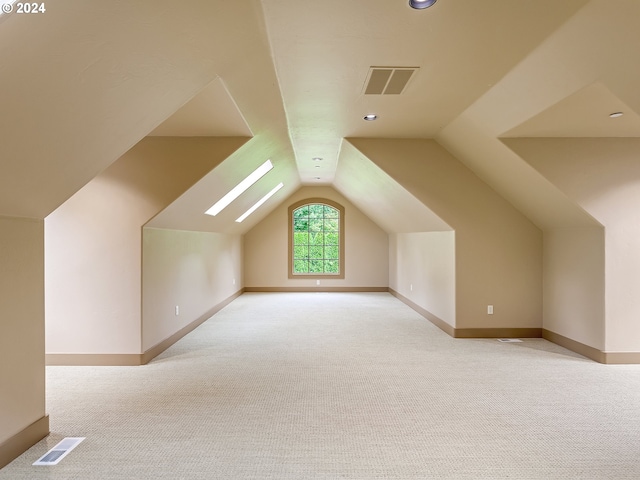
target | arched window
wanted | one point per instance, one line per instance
(316, 239)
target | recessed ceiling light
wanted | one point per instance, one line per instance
(317, 159)
(371, 117)
(420, 4)
(317, 178)
(616, 114)
(317, 166)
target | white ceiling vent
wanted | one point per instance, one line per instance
(388, 80)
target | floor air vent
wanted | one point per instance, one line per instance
(61, 450)
(510, 340)
(388, 80)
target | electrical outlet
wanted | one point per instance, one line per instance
(177, 310)
(234, 281)
(317, 282)
(489, 309)
(411, 287)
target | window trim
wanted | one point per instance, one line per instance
(330, 203)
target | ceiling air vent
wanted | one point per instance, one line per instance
(388, 80)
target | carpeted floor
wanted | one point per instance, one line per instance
(342, 386)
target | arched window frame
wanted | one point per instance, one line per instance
(330, 203)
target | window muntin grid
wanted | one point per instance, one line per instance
(316, 240)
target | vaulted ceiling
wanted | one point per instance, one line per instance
(85, 81)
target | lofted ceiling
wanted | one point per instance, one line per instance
(323, 52)
(87, 80)
(211, 113)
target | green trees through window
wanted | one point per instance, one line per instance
(316, 240)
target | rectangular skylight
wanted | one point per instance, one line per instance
(260, 202)
(240, 188)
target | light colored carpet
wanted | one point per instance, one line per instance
(342, 386)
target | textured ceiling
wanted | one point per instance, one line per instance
(86, 81)
(323, 51)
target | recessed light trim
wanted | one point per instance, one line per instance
(260, 202)
(616, 114)
(421, 4)
(317, 159)
(370, 117)
(240, 188)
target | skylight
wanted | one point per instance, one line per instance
(240, 188)
(260, 202)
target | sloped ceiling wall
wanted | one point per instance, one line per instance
(93, 242)
(374, 191)
(603, 177)
(582, 72)
(498, 250)
(84, 90)
(187, 212)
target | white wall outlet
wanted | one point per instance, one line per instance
(234, 281)
(411, 287)
(489, 309)
(317, 282)
(177, 310)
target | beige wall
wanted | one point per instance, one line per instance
(366, 248)
(603, 177)
(192, 270)
(574, 284)
(22, 373)
(93, 243)
(422, 269)
(498, 250)
(92, 271)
